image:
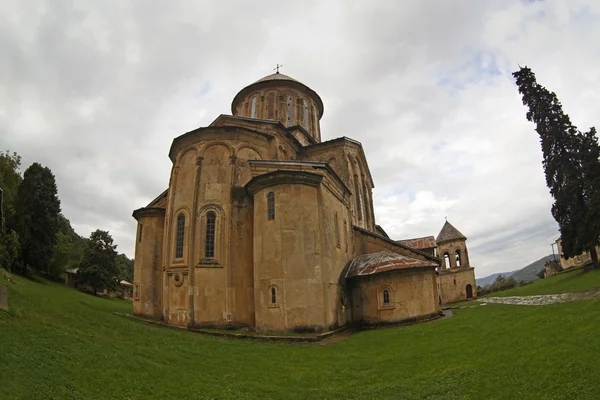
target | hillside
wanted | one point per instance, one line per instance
(58, 343)
(488, 280)
(527, 273)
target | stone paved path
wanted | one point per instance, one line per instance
(539, 300)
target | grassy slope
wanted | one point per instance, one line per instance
(577, 280)
(62, 344)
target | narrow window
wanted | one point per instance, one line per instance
(447, 260)
(271, 106)
(346, 235)
(209, 246)
(386, 297)
(179, 236)
(366, 199)
(337, 231)
(290, 102)
(299, 112)
(457, 253)
(253, 108)
(140, 233)
(273, 293)
(271, 206)
(358, 198)
(305, 115)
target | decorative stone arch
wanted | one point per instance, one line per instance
(214, 143)
(241, 147)
(220, 230)
(384, 296)
(185, 211)
(183, 152)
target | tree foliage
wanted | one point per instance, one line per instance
(571, 164)
(9, 249)
(125, 265)
(98, 268)
(503, 283)
(37, 210)
(68, 249)
(10, 179)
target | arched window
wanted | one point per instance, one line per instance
(273, 295)
(271, 206)
(299, 112)
(209, 245)
(457, 253)
(271, 106)
(179, 236)
(447, 260)
(253, 108)
(366, 199)
(385, 297)
(336, 230)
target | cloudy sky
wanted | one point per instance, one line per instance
(98, 90)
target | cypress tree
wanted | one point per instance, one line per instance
(37, 213)
(571, 164)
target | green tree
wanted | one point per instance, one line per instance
(68, 249)
(9, 249)
(37, 211)
(571, 164)
(10, 179)
(98, 268)
(125, 265)
(503, 283)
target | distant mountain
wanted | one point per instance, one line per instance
(488, 280)
(529, 273)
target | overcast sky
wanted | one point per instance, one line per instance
(97, 91)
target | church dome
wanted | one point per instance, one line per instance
(282, 98)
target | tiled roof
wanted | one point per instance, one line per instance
(427, 242)
(449, 232)
(383, 261)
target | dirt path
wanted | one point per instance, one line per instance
(543, 299)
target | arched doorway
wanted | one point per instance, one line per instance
(469, 291)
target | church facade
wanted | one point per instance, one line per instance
(267, 227)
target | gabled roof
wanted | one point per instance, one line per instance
(427, 242)
(449, 232)
(384, 261)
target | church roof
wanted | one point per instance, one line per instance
(384, 261)
(277, 77)
(449, 232)
(427, 242)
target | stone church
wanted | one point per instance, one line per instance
(264, 226)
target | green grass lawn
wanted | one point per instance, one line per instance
(58, 343)
(577, 280)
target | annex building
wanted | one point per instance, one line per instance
(265, 226)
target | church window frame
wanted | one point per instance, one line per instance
(271, 206)
(385, 297)
(180, 236)
(305, 116)
(273, 296)
(210, 235)
(140, 230)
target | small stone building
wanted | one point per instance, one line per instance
(266, 226)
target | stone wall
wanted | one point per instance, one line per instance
(413, 295)
(452, 284)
